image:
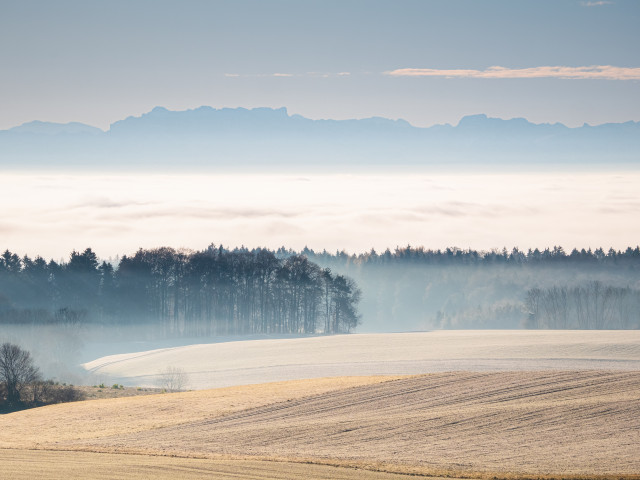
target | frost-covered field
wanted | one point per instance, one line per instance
(258, 361)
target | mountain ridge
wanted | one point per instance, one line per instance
(283, 112)
(206, 137)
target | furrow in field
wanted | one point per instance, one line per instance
(529, 422)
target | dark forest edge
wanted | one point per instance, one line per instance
(218, 291)
(181, 293)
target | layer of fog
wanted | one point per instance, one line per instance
(50, 215)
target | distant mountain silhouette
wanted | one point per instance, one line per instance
(264, 137)
(48, 128)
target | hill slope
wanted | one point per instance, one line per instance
(504, 424)
(257, 361)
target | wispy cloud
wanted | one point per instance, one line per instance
(593, 72)
(596, 4)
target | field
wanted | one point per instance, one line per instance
(246, 362)
(28, 465)
(495, 405)
(569, 424)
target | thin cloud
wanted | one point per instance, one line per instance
(201, 213)
(594, 72)
(596, 4)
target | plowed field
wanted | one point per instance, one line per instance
(60, 465)
(504, 424)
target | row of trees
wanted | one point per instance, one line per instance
(589, 306)
(210, 292)
(218, 291)
(415, 288)
(458, 256)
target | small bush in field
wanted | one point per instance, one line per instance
(173, 379)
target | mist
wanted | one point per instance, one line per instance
(73, 312)
(411, 289)
(346, 215)
(116, 214)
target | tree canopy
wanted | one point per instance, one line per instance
(209, 292)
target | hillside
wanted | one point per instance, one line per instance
(268, 360)
(565, 424)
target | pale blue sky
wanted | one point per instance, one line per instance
(100, 61)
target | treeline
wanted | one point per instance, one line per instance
(415, 288)
(219, 291)
(211, 292)
(589, 306)
(458, 256)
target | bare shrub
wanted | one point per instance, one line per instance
(173, 379)
(48, 392)
(64, 394)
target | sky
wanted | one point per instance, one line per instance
(429, 62)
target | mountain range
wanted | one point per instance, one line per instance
(267, 138)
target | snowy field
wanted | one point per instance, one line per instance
(257, 361)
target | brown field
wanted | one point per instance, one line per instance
(58, 425)
(60, 465)
(555, 424)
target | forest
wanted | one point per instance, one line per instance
(414, 288)
(219, 291)
(180, 293)
(589, 306)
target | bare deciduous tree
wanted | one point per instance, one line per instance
(16, 371)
